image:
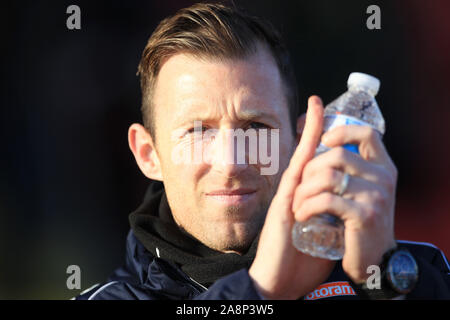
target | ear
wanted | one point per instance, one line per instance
(144, 151)
(300, 125)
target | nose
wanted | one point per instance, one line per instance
(229, 157)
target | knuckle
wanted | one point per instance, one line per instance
(390, 186)
(386, 179)
(390, 182)
(327, 199)
(340, 153)
(330, 176)
(371, 134)
(370, 216)
(379, 198)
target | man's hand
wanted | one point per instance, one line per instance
(279, 271)
(367, 205)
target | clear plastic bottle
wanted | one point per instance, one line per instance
(323, 235)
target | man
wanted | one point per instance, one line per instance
(216, 229)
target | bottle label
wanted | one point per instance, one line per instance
(335, 120)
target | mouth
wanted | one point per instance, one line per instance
(232, 197)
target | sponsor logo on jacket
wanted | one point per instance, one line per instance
(331, 289)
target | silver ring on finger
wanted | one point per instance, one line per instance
(344, 184)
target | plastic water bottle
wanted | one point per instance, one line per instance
(323, 235)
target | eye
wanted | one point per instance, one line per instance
(196, 130)
(258, 125)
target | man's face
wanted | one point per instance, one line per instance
(222, 204)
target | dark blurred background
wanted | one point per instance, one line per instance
(68, 180)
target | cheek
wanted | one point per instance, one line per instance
(286, 152)
(178, 170)
(182, 175)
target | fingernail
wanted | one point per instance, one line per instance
(317, 99)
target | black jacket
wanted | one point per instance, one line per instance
(145, 276)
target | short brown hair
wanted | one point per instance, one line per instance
(212, 30)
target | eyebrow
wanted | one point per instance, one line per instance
(244, 115)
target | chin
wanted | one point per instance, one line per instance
(238, 243)
(238, 232)
(235, 217)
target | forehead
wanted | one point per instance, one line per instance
(207, 88)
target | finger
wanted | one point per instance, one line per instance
(371, 147)
(328, 203)
(305, 149)
(341, 159)
(329, 180)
